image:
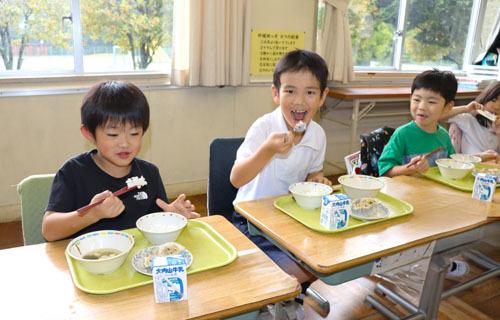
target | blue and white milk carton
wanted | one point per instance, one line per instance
(484, 186)
(335, 211)
(169, 278)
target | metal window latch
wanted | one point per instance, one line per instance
(399, 33)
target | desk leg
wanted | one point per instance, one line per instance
(433, 287)
(354, 126)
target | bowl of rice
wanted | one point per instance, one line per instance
(161, 227)
(308, 195)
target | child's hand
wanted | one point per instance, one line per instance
(279, 142)
(419, 164)
(489, 155)
(319, 178)
(110, 208)
(180, 205)
(473, 106)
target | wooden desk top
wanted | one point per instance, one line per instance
(250, 282)
(439, 211)
(384, 92)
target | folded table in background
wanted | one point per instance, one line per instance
(36, 283)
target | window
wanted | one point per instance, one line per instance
(85, 36)
(415, 34)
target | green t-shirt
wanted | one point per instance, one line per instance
(409, 141)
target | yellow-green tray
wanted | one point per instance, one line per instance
(310, 218)
(210, 250)
(465, 184)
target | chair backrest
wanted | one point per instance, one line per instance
(372, 144)
(220, 191)
(456, 137)
(34, 192)
(353, 163)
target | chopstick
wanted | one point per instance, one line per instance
(425, 156)
(83, 210)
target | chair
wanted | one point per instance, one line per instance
(353, 163)
(372, 144)
(34, 192)
(220, 191)
(456, 137)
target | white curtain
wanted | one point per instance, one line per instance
(211, 42)
(335, 43)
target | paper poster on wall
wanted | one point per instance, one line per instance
(268, 46)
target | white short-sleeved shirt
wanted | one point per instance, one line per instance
(283, 169)
(475, 137)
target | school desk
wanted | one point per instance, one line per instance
(447, 216)
(368, 97)
(36, 284)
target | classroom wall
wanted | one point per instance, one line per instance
(40, 132)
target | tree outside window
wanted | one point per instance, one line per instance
(117, 35)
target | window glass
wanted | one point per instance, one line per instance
(36, 36)
(492, 9)
(372, 25)
(436, 34)
(127, 35)
(33, 37)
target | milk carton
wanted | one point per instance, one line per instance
(484, 186)
(169, 278)
(335, 211)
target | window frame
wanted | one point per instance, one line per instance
(471, 48)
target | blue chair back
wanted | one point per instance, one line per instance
(220, 191)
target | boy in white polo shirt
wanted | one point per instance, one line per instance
(273, 155)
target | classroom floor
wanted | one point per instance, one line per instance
(346, 300)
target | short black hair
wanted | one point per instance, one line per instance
(442, 82)
(115, 101)
(299, 60)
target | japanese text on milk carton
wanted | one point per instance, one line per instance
(335, 211)
(169, 278)
(484, 186)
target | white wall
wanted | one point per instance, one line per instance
(41, 132)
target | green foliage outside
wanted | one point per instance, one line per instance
(138, 27)
(436, 31)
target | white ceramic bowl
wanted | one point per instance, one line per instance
(101, 241)
(462, 157)
(360, 186)
(309, 194)
(161, 227)
(453, 169)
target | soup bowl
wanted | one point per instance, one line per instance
(360, 186)
(101, 252)
(453, 169)
(308, 195)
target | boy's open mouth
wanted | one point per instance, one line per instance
(299, 115)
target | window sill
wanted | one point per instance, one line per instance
(70, 84)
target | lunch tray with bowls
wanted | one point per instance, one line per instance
(208, 248)
(310, 218)
(465, 184)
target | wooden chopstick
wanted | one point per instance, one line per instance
(83, 210)
(426, 156)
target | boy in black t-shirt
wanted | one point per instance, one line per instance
(115, 116)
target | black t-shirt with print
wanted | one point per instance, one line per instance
(80, 179)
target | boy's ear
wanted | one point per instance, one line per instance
(447, 107)
(276, 94)
(87, 134)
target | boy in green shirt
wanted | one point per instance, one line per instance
(432, 95)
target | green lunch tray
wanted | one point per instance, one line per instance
(465, 184)
(310, 218)
(209, 249)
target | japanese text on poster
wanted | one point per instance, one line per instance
(269, 46)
